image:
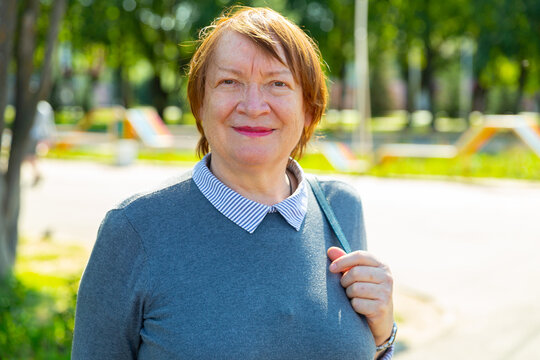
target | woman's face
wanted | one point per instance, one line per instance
(253, 111)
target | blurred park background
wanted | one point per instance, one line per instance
(97, 90)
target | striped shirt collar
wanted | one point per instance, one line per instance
(247, 213)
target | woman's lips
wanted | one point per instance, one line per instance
(253, 131)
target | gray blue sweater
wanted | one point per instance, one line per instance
(172, 278)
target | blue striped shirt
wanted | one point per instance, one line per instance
(246, 213)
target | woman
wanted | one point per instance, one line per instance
(230, 261)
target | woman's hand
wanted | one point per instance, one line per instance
(368, 283)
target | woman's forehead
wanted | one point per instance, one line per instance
(234, 49)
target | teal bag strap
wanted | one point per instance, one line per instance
(327, 210)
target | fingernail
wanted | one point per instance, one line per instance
(333, 267)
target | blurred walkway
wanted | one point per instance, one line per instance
(471, 248)
(474, 248)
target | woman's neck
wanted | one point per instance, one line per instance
(266, 185)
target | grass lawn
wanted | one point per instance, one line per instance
(314, 161)
(513, 163)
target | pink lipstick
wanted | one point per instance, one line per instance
(255, 131)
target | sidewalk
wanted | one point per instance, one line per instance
(471, 247)
(463, 255)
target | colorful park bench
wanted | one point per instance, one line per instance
(524, 126)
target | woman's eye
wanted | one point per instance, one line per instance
(279, 84)
(228, 82)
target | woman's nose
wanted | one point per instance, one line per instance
(254, 102)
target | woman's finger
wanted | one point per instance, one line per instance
(367, 291)
(335, 253)
(367, 274)
(369, 308)
(355, 258)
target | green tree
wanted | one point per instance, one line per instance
(158, 32)
(27, 95)
(429, 27)
(504, 31)
(331, 24)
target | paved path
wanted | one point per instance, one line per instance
(473, 248)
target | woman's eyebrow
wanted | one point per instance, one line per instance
(278, 72)
(267, 73)
(231, 70)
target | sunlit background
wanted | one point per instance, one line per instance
(446, 122)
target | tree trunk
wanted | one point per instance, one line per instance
(159, 97)
(343, 87)
(8, 16)
(88, 101)
(524, 70)
(427, 82)
(26, 101)
(25, 111)
(479, 97)
(123, 90)
(409, 93)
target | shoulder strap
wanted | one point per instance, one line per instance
(327, 209)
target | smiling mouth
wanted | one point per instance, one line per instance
(255, 131)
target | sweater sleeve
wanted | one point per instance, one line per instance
(110, 300)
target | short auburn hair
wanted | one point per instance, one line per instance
(267, 29)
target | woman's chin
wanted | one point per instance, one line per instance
(251, 157)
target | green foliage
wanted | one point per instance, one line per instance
(36, 322)
(160, 36)
(68, 116)
(37, 303)
(158, 33)
(188, 118)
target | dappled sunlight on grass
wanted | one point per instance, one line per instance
(515, 163)
(51, 258)
(314, 160)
